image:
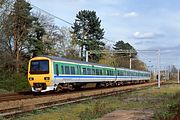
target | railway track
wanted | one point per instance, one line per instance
(29, 94)
(15, 96)
(30, 103)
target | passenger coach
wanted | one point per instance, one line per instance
(56, 73)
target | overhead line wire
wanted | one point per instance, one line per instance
(62, 19)
(52, 15)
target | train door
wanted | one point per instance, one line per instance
(79, 71)
(56, 73)
(116, 74)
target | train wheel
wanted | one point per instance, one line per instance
(59, 88)
(98, 85)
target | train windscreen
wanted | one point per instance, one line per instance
(39, 67)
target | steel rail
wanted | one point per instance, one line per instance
(72, 99)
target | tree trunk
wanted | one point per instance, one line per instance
(17, 61)
(16, 50)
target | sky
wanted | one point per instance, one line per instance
(145, 24)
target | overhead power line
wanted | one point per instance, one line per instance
(52, 15)
(108, 40)
(61, 19)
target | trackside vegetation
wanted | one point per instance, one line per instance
(163, 102)
(13, 83)
(26, 33)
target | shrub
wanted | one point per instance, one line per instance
(13, 82)
(170, 109)
(97, 110)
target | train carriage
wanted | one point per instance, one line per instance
(55, 73)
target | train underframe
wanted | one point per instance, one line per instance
(42, 87)
(77, 86)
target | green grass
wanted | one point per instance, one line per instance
(162, 101)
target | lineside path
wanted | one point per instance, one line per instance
(128, 115)
(24, 105)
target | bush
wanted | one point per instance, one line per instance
(100, 108)
(169, 110)
(13, 82)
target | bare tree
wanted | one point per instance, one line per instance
(6, 58)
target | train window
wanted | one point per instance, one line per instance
(124, 73)
(134, 73)
(79, 70)
(118, 73)
(72, 70)
(93, 71)
(100, 72)
(39, 67)
(67, 71)
(129, 73)
(108, 72)
(104, 71)
(84, 71)
(57, 70)
(62, 69)
(112, 72)
(97, 71)
(88, 71)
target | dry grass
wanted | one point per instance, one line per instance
(152, 98)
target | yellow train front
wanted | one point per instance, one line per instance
(40, 74)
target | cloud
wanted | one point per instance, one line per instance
(115, 14)
(145, 42)
(110, 14)
(146, 35)
(131, 14)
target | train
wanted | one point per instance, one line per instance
(50, 73)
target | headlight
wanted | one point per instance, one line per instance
(31, 78)
(46, 78)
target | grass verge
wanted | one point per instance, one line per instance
(163, 102)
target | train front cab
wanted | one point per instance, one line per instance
(40, 74)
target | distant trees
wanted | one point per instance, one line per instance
(87, 32)
(24, 34)
(120, 45)
(122, 59)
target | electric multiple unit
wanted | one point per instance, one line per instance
(56, 73)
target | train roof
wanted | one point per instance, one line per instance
(87, 63)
